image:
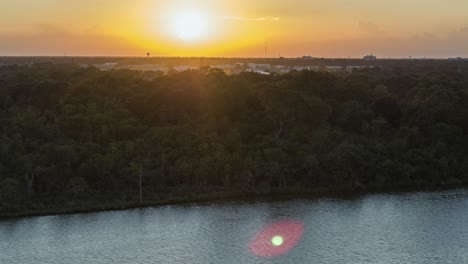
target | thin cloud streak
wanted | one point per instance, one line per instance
(252, 18)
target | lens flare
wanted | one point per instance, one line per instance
(276, 239)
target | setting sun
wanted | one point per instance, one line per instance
(189, 25)
(239, 28)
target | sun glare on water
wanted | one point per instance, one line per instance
(189, 25)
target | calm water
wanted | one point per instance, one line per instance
(397, 228)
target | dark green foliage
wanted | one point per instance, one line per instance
(73, 135)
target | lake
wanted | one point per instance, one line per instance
(423, 227)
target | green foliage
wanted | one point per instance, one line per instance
(10, 193)
(73, 135)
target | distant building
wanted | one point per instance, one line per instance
(457, 58)
(223, 66)
(262, 72)
(182, 68)
(370, 57)
(106, 66)
(258, 66)
(308, 58)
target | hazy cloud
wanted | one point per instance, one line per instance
(49, 30)
(463, 31)
(46, 39)
(252, 18)
(368, 27)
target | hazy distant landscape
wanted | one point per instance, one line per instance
(301, 63)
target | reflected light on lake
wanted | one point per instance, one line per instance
(277, 239)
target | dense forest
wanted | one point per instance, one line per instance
(73, 136)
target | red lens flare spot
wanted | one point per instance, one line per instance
(277, 239)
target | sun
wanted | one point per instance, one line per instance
(189, 25)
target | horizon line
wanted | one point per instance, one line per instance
(226, 57)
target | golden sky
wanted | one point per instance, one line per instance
(239, 28)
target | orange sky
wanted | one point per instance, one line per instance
(332, 28)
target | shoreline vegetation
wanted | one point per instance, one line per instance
(78, 139)
(218, 197)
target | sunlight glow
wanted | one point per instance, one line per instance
(189, 25)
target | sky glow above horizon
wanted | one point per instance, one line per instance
(234, 28)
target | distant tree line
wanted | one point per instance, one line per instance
(71, 135)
